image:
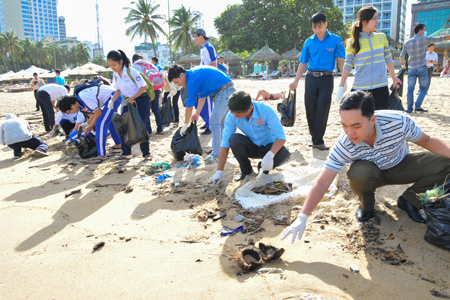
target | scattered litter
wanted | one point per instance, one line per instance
(136, 212)
(391, 236)
(345, 275)
(120, 171)
(220, 216)
(270, 270)
(279, 218)
(162, 178)
(159, 191)
(249, 258)
(439, 294)
(231, 231)
(45, 169)
(239, 218)
(269, 252)
(154, 168)
(191, 160)
(176, 184)
(129, 189)
(273, 188)
(73, 193)
(311, 297)
(31, 167)
(354, 268)
(98, 246)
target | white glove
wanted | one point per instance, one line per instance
(111, 105)
(183, 129)
(217, 177)
(340, 93)
(403, 67)
(84, 125)
(267, 161)
(298, 227)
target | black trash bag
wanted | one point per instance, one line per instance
(167, 114)
(287, 110)
(438, 223)
(188, 143)
(394, 101)
(86, 146)
(401, 77)
(130, 127)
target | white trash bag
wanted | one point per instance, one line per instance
(302, 179)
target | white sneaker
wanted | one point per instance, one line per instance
(40, 153)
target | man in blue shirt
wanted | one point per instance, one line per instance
(318, 56)
(221, 65)
(59, 80)
(263, 137)
(155, 63)
(203, 81)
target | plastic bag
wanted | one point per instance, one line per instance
(86, 146)
(438, 223)
(287, 110)
(167, 112)
(130, 127)
(401, 77)
(189, 143)
(394, 101)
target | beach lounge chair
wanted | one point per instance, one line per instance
(258, 75)
(275, 74)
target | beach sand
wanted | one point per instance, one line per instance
(156, 248)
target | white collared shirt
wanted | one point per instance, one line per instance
(55, 91)
(433, 56)
(126, 86)
(89, 96)
(73, 118)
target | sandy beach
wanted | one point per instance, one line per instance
(156, 247)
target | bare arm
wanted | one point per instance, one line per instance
(395, 80)
(301, 69)
(188, 114)
(277, 145)
(341, 62)
(115, 96)
(201, 103)
(433, 144)
(318, 190)
(223, 154)
(97, 113)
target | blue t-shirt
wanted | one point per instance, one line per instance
(321, 55)
(60, 80)
(222, 67)
(203, 81)
(263, 127)
(159, 68)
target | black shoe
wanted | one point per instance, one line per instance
(239, 176)
(206, 132)
(259, 168)
(413, 212)
(203, 127)
(421, 110)
(321, 147)
(409, 111)
(363, 216)
(160, 132)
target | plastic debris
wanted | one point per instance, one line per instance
(72, 193)
(156, 168)
(231, 231)
(192, 160)
(239, 218)
(270, 270)
(354, 268)
(98, 246)
(162, 178)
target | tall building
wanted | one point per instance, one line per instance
(62, 27)
(434, 14)
(30, 18)
(391, 14)
(200, 23)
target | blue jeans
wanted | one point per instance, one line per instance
(206, 112)
(217, 120)
(413, 75)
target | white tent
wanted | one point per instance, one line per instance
(48, 75)
(78, 71)
(91, 67)
(28, 73)
(6, 76)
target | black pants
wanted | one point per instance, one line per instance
(47, 109)
(67, 126)
(33, 143)
(430, 74)
(37, 102)
(318, 91)
(176, 110)
(380, 97)
(243, 148)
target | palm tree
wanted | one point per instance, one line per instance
(144, 19)
(183, 24)
(72, 56)
(11, 44)
(55, 51)
(26, 57)
(82, 54)
(40, 53)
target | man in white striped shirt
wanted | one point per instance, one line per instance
(376, 145)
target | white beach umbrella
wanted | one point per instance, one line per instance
(48, 75)
(78, 71)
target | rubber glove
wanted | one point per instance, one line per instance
(183, 129)
(111, 105)
(340, 92)
(267, 161)
(298, 227)
(217, 177)
(84, 125)
(403, 67)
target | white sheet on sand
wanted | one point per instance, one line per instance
(302, 179)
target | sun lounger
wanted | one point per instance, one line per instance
(274, 74)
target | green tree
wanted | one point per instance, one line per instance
(40, 54)
(82, 54)
(144, 20)
(11, 44)
(182, 23)
(26, 56)
(72, 56)
(100, 60)
(56, 53)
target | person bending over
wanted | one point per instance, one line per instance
(263, 137)
(376, 146)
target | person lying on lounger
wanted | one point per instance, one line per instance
(265, 95)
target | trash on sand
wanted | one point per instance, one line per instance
(231, 231)
(269, 252)
(129, 189)
(249, 258)
(154, 168)
(439, 294)
(176, 184)
(270, 270)
(98, 246)
(220, 216)
(354, 268)
(162, 178)
(279, 218)
(239, 218)
(273, 188)
(73, 193)
(31, 167)
(310, 297)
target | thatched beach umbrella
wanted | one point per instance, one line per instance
(248, 59)
(189, 59)
(292, 54)
(444, 45)
(230, 56)
(265, 54)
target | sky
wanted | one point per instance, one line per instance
(81, 20)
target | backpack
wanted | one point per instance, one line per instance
(152, 73)
(95, 82)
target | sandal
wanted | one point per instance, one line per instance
(123, 157)
(148, 157)
(112, 148)
(96, 161)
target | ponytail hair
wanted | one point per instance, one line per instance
(117, 56)
(364, 14)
